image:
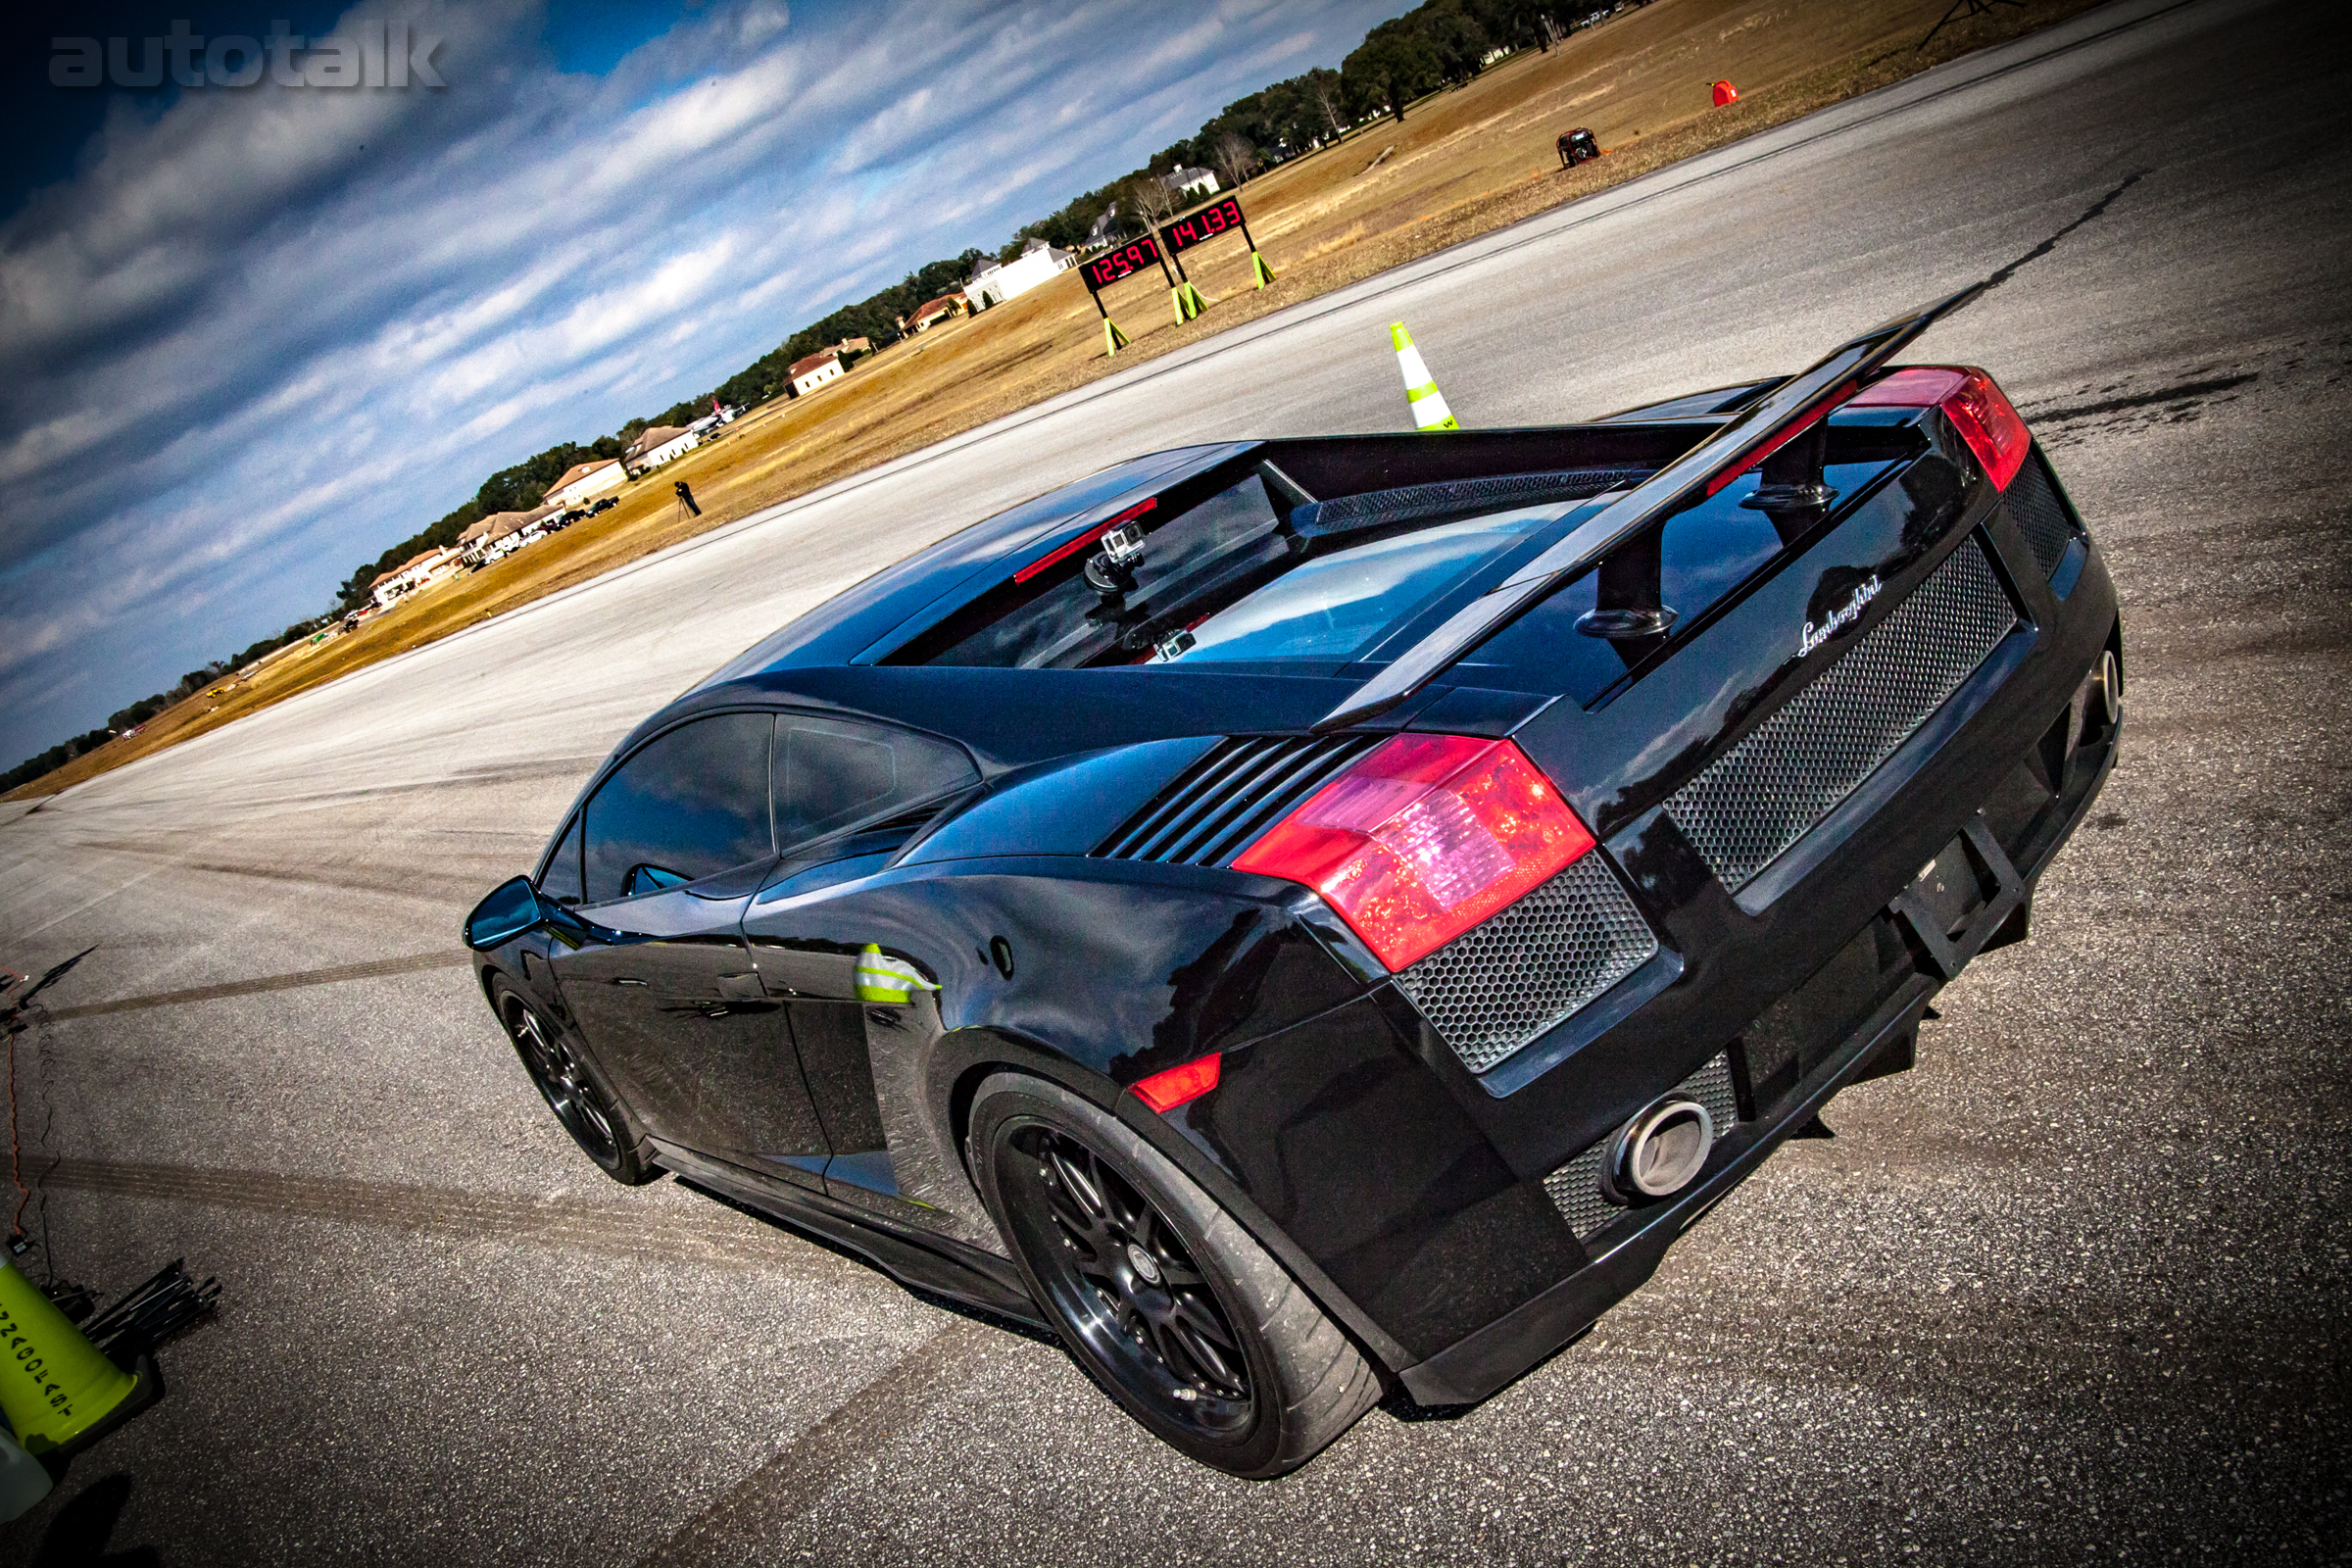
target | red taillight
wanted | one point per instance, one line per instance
(1974, 405)
(1163, 1091)
(1423, 839)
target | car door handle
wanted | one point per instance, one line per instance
(625, 980)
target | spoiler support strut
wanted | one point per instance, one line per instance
(1791, 415)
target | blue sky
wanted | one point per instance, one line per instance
(249, 337)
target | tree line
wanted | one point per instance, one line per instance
(1439, 44)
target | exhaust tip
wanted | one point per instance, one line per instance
(1662, 1151)
(2111, 685)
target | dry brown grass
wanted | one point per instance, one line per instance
(1463, 164)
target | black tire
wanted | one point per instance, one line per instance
(1223, 1356)
(580, 1103)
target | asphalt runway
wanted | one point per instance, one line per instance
(2072, 1290)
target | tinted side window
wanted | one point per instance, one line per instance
(561, 879)
(831, 774)
(690, 803)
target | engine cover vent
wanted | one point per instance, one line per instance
(1211, 811)
(1499, 985)
(1575, 1188)
(1380, 508)
(1757, 799)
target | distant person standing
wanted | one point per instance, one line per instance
(686, 498)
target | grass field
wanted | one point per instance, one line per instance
(1463, 163)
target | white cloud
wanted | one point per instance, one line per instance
(262, 336)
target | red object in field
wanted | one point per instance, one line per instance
(1725, 93)
(1970, 400)
(1163, 1091)
(1423, 839)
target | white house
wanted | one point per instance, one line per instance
(582, 480)
(658, 445)
(426, 567)
(807, 374)
(999, 281)
(503, 533)
(944, 307)
(1191, 181)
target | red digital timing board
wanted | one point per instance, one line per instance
(1125, 261)
(1219, 218)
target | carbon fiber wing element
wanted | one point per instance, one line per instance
(1741, 444)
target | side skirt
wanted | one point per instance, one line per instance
(935, 1263)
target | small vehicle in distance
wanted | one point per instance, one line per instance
(1578, 146)
(1303, 916)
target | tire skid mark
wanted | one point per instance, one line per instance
(451, 1211)
(2184, 391)
(413, 963)
(411, 883)
(743, 1519)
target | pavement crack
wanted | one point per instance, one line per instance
(373, 968)
(2051, 243)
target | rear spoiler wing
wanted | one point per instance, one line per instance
(1744, 442)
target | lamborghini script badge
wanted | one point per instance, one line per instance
(1844, 615)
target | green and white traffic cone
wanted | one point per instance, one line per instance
(1429, 411)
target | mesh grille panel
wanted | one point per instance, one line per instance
(1218, 805)
(1379, 507)
(1575, 1185)
(1764, 794)
(2040, 515)
(1505, 981)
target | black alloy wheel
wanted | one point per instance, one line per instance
(572, 1093)
(1163, 1297)
(1122, 1278)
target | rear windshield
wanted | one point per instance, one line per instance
(1335, 606)
(1073, 621)
(1222, 580)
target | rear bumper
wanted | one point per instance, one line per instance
(1482, 1362)
(1417, 1192)
(1624, 1255)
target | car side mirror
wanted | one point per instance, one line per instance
(512, 909)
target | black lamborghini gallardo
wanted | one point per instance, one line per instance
(1303, 916)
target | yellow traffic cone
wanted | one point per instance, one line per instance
(1113, 339)
(1259, 270)
(1429, 411)
(55, 1386)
